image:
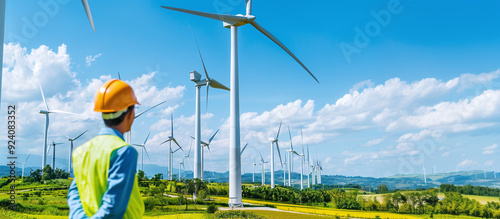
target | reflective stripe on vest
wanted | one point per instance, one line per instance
(91, 162)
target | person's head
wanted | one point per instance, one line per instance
(116, 100)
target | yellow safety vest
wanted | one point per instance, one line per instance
(91, 163)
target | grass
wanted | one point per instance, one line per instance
(278, 214)
(328, 211)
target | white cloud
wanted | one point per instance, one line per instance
(445, 154)
(490, 149)
(91, 58)
(463, 115)
(466, 163)
(489, 163)
(24, 71)
(373, 142)
(426, 133)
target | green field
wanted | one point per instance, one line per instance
(49, 201)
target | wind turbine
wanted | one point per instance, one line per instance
(425, 177)
(70, 158)
(143, 148)
(129, 133)
(46, 112)
(233, 22)
(181, 164)
(275, 141)
(170, 139)
(319, 169)
(434, 169)
(290, 158)
(301, 171)
(205, 144)
(263, 164)
(22, 173)
(284, 172)
(307, 157)
(187, 156)
(209, 82)
(253, 171)
(53, 145)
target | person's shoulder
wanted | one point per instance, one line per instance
(127, 150)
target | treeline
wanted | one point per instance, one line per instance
(287, 195)
(470, 190)
(48, 174)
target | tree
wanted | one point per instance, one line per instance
(140, 175)
(48, 173)
(382, 188)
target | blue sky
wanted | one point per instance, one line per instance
(422, 87)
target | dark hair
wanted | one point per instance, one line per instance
(117, 121)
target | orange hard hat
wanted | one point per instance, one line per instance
(113, 96)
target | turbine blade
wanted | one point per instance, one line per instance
(210, 140)
(248, 3)
(220, 17)
(146, 139)
(189, 161)
(278, 135)
(199, 53)
(295, 152)
(177, 144)
(89, 15)
(43, 97)
(148, 109)
(204, 143)
(166, 141)
(119, 77)
(27, 158)
(60, 111)
(275, 40)
(243, 148)
(279, 153)
(216, 84)
(289, 134)
(79, 135)
(261, 158)
(190, 146)
(145, 150)
(176, 150)
(138, 145)
(69, 139)
(302, 140)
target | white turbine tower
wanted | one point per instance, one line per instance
(170, 152)
(70, 158)
(319, 169)
(301, 171)
(209, 82)
(53, 145)
(284, 171)
(263, 164)
(46, 112)
(253, 171)
(233, 22)
(275, 141)
(22, 173)
(313, 174)
(143, 148)
(290, 158)
(187, 156)
(425, 176)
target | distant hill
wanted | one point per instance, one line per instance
(411, 181)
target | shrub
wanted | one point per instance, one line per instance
(236, 214)
(212, 208)
(150, 203)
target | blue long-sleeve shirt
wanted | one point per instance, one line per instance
(121, 176)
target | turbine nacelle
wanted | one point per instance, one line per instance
(44, 112)
(247, 19)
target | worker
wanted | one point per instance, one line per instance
(105, 183)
